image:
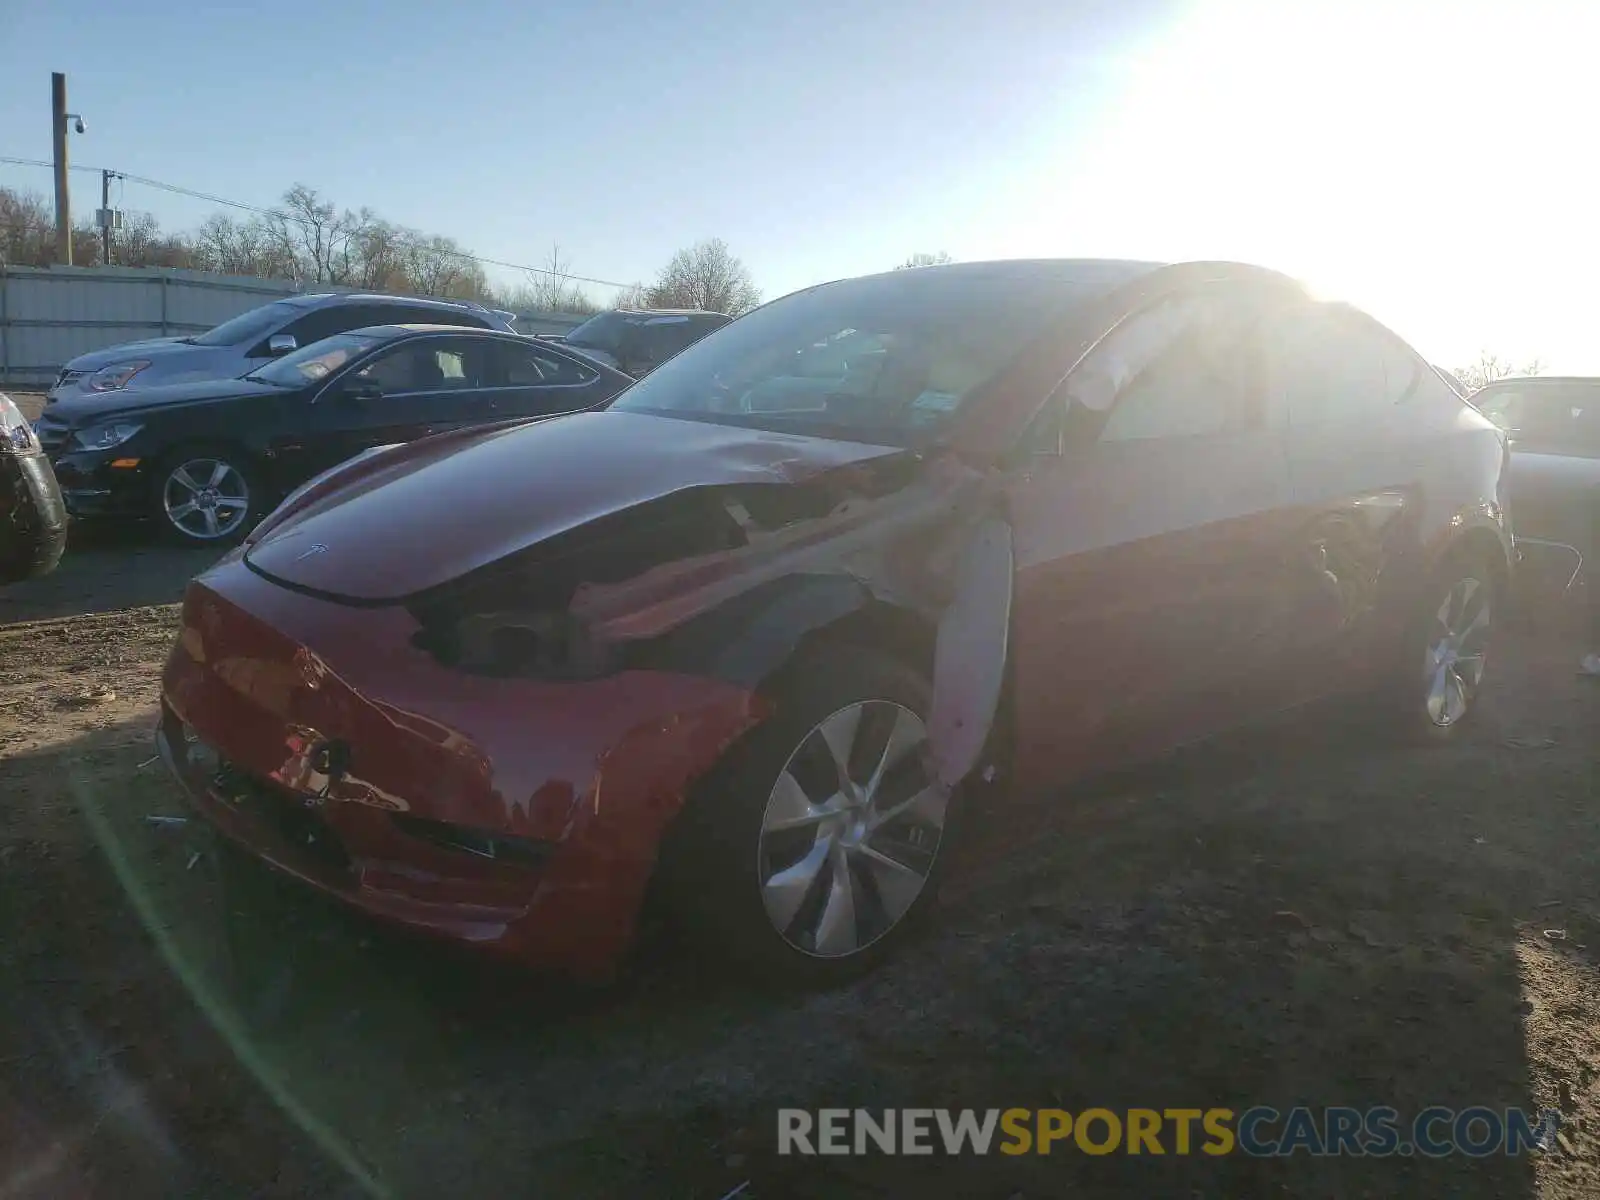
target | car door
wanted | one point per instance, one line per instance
(1554, 431)
(406, 390)
(1149, 534)
(525, 379)
(1339, 383)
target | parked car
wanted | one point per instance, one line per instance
(638, 341)
(208, 459)
(1553, 423)
(749, 657)
(33, 522)
(253, 339)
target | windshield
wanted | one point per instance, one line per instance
(602, 332)
(316, 361)
(251, 326)
(886, 359)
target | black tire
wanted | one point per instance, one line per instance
(1422, 715)
(714, 857)
(232, 523)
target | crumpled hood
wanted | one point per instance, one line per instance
(425, 514)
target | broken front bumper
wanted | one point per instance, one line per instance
(518, 815)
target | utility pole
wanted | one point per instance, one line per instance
(58, 112)
(105, 217)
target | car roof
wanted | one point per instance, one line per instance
(669, 312)
(317, 298)
(1120, 269)
(1542, 380)
(402, 329)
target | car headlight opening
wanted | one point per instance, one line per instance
(104, 437)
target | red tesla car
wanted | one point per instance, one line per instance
(742, 634)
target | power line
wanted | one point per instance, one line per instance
(279, 214)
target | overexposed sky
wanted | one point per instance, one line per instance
(1430, 160)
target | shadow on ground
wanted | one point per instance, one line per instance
(107, 568)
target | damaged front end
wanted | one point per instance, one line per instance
(517, 738)
(731, 581)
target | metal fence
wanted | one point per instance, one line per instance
(50, 315)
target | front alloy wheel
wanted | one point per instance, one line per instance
(206, 499)
(1454, 661)
(851, 830)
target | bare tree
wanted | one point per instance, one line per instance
(551, 289)
(314, 236)
(635, 295)
(307, 239)
(1490, 367)
(140, 243)
(437, 266)
(377, 258)
(27, 226)
(706, 276)
(923, 259)
(27, 232)
(232, 247)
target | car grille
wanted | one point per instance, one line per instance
(53, 434)
(67, 377)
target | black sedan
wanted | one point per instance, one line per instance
(209, 459)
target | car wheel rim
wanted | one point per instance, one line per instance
(851, 830)
(1453, 666)
(206, 498)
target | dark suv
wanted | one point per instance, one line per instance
(1553, 425)
(638, 341)
(255, 338)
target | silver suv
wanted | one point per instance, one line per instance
(239, 346)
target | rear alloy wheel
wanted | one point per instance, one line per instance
(819, 840)
(1453, 665)
(1442, 670)
(205, 497)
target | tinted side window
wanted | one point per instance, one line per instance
(1201, 382)
(655, 343)
(1547, 418)
(324, 322)
(531, 366)
(425, 365)
(1329, 367)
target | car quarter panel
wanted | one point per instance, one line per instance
(1390, 470)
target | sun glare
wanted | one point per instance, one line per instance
(1425, 161)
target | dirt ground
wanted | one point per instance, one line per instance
(1299, 915)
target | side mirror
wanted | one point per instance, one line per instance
(281, 343)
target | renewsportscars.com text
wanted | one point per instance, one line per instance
(1258, 1131)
